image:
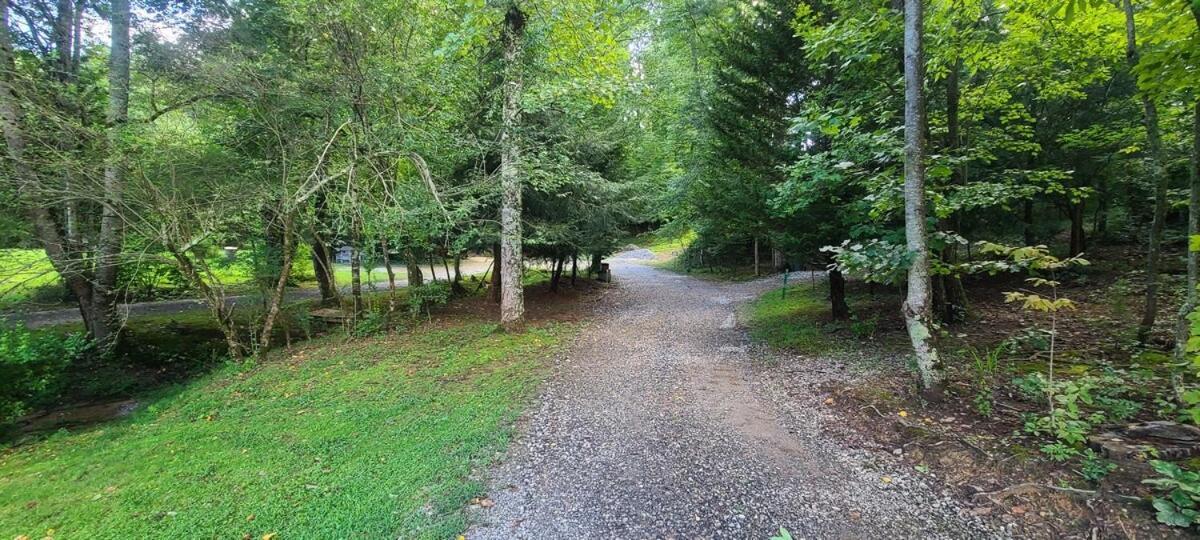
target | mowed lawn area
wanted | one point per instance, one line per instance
(374, 438)
(22, 271)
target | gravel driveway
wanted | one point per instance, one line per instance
(655, 426)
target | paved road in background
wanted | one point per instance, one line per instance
(35, 319)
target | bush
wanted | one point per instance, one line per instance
(31, 366)
(371, 323)
(423, 297)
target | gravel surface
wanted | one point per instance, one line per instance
(655, 425)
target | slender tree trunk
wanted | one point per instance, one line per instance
(432, 268)
(512, 301)
(415, 278)
(574, 267)
(1183, 324)
(214, 297)
(1027, 222)
(356, 276)
(285, 271)
(108, 248)
(555, 264)
(1155, 150)
(756, 272)
(1078, 243)
(497, 284)
(917, 305)
(391, 273)
(1100, 221)
(322, 252)
(456, 286)
(837, 295)
(323, 270)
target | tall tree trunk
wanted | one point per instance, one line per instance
(497, 284)
(11, 120)
(1183, 323)
(432, 268)
(512, 302)
(108, 248)
(917, 305)
(77, 35)
(574, 267)
(63, 32)
(954, 298)
(837, 295)
(1155, 148)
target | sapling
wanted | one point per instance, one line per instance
(1037, 260)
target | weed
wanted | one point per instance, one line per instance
(1094, 468)
(985, 366)
(1181, 489)
(864, 328)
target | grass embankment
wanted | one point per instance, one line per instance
(664, 246)
(371, 439)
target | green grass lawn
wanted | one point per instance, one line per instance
(798, 320)
(368, 439)
(27, 277)
(22, 273)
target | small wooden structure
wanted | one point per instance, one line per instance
(330, 316)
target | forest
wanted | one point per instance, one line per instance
(334, 252)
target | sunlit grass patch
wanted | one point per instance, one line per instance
(375, 438)
(795, 318)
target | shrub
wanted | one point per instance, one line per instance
(1094, 468)
(423, 297)
(31, 366)
(371, 323)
